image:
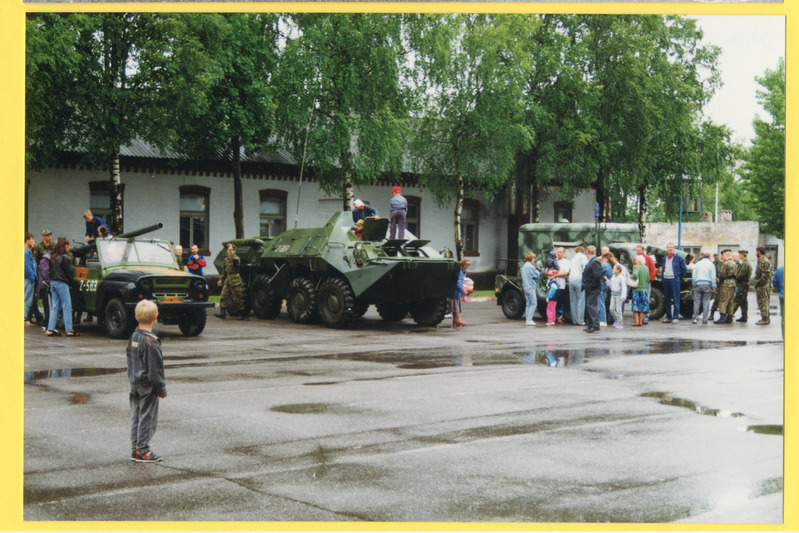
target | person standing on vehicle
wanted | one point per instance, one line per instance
(742, 286)
(179, 256)
(576, 293)
(704, 283)
(592, 284)
(650, 265)
(530, 276)
(61, 275)
(398, 210)
(195, 262)
(673, 269)
(726, 276)
(230, 281)
(763, 285)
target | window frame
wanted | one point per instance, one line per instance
(273, 194)
(197, 190)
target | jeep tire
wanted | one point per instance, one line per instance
(513, 304)
(192, 323)
(119, 323)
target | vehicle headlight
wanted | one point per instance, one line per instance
(146, 286)
(199, 288)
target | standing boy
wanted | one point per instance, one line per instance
(147, 383)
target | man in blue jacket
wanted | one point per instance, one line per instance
(31, 273)
(672, 270)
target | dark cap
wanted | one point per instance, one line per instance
(743, 252)
(725, 251)
(46, 232)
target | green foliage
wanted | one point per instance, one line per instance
(764, 163)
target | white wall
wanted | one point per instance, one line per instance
(57, 198)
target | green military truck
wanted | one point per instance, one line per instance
(112, 275)
(621, 238)
(330, 274)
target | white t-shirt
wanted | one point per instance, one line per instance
(563, 266)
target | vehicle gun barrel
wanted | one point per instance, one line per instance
(142, 231)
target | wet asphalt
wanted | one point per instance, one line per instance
(271, 421)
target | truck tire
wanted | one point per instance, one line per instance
(192, 323)
(513, 304)
(264, 300)
(429, 312)
(392, 311)
(657, 308)
(336, 303)
(302, 301)
(361, 308)
(119, 324)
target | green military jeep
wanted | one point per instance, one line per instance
(112, 275)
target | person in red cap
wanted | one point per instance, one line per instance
(399, 208)
(362, 210)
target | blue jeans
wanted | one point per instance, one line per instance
(577, 301)
(671, 297)
(601, 309)
(29, 285)
(531, 301)
(59, 292)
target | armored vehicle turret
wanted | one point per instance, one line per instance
(333, 275)
(112, 275)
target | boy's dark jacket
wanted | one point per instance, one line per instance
(145, 363)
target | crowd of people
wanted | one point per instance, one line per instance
(720, 284)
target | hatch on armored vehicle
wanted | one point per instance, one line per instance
(329, 274)
(113, 275)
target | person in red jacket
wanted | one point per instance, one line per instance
(650, 264)
(195, 262)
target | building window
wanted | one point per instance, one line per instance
(273, 212)
(413, 217)
(194, 216)
(470, 224)
(100, 199)
(563, 211)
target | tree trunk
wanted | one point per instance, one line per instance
(348, 189)
(115, 194)
(458, 196)
(601, 193)
(238, 203)
(642, 211)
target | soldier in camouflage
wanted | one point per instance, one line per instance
(742, 286)
(717, 262)
(230, 281)
(726, 276)
(763, 285)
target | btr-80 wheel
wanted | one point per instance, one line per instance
(264, 300)
(429, 312)
(192, 323)
(336, 303)
(301, 301)
(392, 311)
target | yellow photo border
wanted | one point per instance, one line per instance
(12, 100)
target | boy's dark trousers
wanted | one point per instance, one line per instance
(143, 417)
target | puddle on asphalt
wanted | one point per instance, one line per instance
(768, 429)
(314, 408)
(32, 377)
(667, 399)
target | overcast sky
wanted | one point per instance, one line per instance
(750, 44)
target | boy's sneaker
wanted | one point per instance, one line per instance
(146, 457)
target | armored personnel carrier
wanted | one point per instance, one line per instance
(112, 275)
(332, 275)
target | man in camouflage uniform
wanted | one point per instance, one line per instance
(717, 262)
(726, 288)
(763, 285)
(742, 286)
(230, 281)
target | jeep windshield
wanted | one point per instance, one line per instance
(113, 252)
